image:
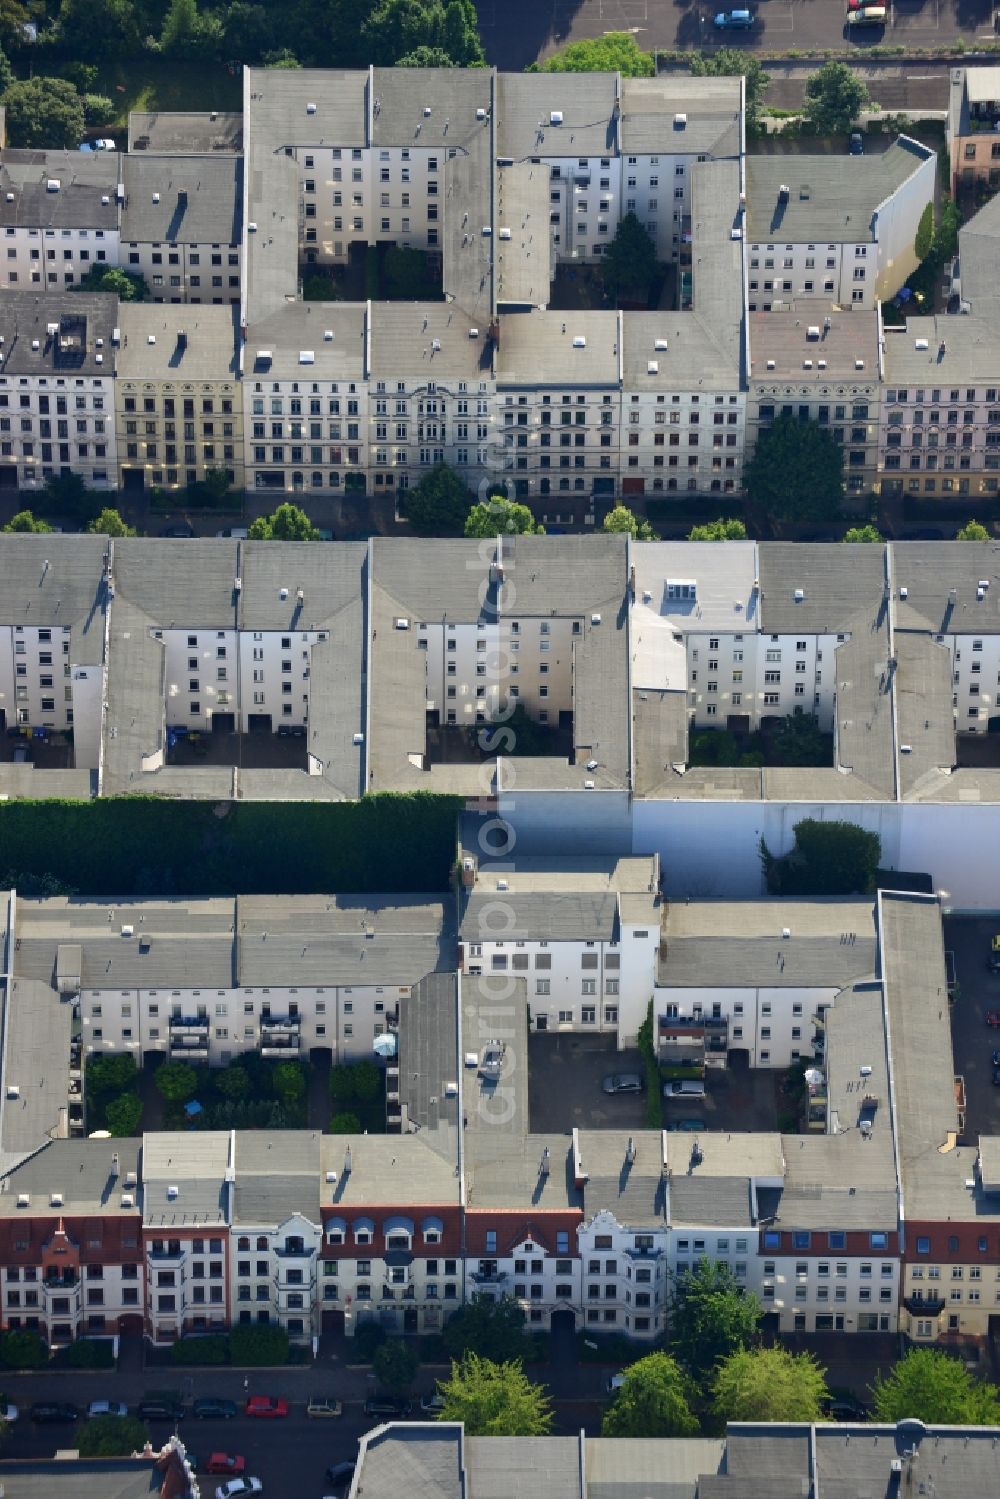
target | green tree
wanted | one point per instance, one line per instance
(407, 278)
(797, 471)
(345, 1124)
(439, 504)
(621, 519)
(973, 531)
(629, 263)
(835, 96)
(180, 27)
(22, 1349)
(855, 534)
(123, 1114)
(655, 1400)
(67, 494)
(798, 740)
(289, 1082)
(127, 286)
(25, 521)
(253, 1345)
(110, 523)
(924, 240)
(719, 530)
(6, 72)
(497, 516)
(425, 57)
(494, 1329)
(368, 1338)
(946, 235)
(495, 1399)
(712, 1316)
(366, 1079)
(232, 1081)
(931, 1386)
(282, 58)
(828, 858)
(111, 1073)
(98, 29)
(730, 62)
(769, 1384)
(614, 52)
(395, 28)
(395, 1365)
(288, 523)
(110, 1436)
(176, 1081)
(98, 109)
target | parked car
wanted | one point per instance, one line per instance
(236, 533)
(340, 1473)
(179, 530)
(996, 1059)
(872, 15)
(856, 144)
(389, 1407)
(157, 1409)
(432, 1404)
(104, 144)
(734, 20)
(226, 1463)
(622, 1082)
(683, 1088)
(106, 1408)
(8, 1412)
(686, 1126)
(237, 1486)
(267, 1407)
(211, 1408)
(993, 1017)
(319, 1405)
(846, 1408)
(993, 961)
(54, 1413)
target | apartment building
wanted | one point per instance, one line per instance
(178, 401)
(755, 978)
(71, 1237)
(206, 981)
(185, 132)
(585, 939)
(498, 614)
(187, 1203)
(842, 235)
(973, 147)
(59, 213)
(182, 226)
(820, 368)
(57, 397)
(276, 1235)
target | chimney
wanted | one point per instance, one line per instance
(347, 1161)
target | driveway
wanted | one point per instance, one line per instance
(736, 1100)
(565, 1073)
(973, 1042)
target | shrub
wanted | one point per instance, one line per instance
(256, 1345)
(368, 1338)
(345, 1124)
(395, 1364)
(111, 1436)
(22, 1350)
(89, 1353)
(209, 1350)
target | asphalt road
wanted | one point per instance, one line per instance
(517, 32)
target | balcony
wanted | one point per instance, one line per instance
(490, 1277)
(169, 1255)
(295, 1251)
(188, 1025)
(279, 1035)
(653, 1253)
(927, 1304)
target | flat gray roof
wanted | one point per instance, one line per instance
(178, 343)
(430, 107)
(421, 341)
(84, 1172)
(184, 1179)
(543, 349)
(628, 1184)
(307, 106)
(942, 581)
(942, 351)
(827, 199)
(526, 103)
(331, 336)
(277, 1176)
(800, 345)
(84, 198)
(710, 108)
(523, 262)
(184, 132)
(191, 200)
(66, 334)
(831, 943)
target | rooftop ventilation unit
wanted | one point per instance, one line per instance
(921, 343)
(579, 342)
(799, 595)
(128, 931)
(680, 122)
(652, 367)
(905, 749)
(786, 932)
(588, 785)
(660, 344)
(252, 227)
(807, 364)
(310, 108)
(859, 364)
(480, 113)
(770, 364)
(156, 197)
(473, 332)
(401, 624)
(56, 1200)
(13, 1091)
(503, 885)
(504, 233)
(984, 582)
(487, 231)
(307, 356)
(736, 234)
(128, 1201)
(980, 594)
(427, 110)
(151, 338)
(436, 345)
(595, 619)
(812, 331)
(555, 117)
(172, 1192)
(359, 739)
(821, 364)
(783, 193)
(35, 345)
(53, 185)
(23, 1199)
(10, 197)
(904, 592)
(52, 329)
(327, 335)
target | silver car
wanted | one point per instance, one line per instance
(622, 1082)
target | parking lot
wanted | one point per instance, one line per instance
(565, 1073)
(973, 1041)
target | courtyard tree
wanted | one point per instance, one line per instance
(655, 1400)
(629, 264)
(496, 516)
(110, 1436)
(719, 530)
(855, 534)
(835, 96)
(395, 1365)
(288, 523)
(494, 1399)
(797, 471)
(622, 519)
(395, 28)
(733, 62)
(127, 286)
(713, 1316)
(931, 1386)
(769, 1384)
(828, 858)
(110, 523)
(123, 1115)
(176, 1081)
(24, 520)
(43, 114)
(973, 530)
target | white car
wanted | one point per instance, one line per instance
(238, 1486)
(8, 1413)
(106, 1408)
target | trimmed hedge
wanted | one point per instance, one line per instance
(147, 845)
(213, 1349)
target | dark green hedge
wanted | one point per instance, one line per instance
(143, 845)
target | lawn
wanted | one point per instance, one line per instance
(155, 83)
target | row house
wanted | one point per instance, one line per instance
(973, 145)
(187, 1193)
(182, 226)
(59, 214)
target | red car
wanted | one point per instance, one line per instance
(268, 1405)
(993, 1017)
(226, 1463)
